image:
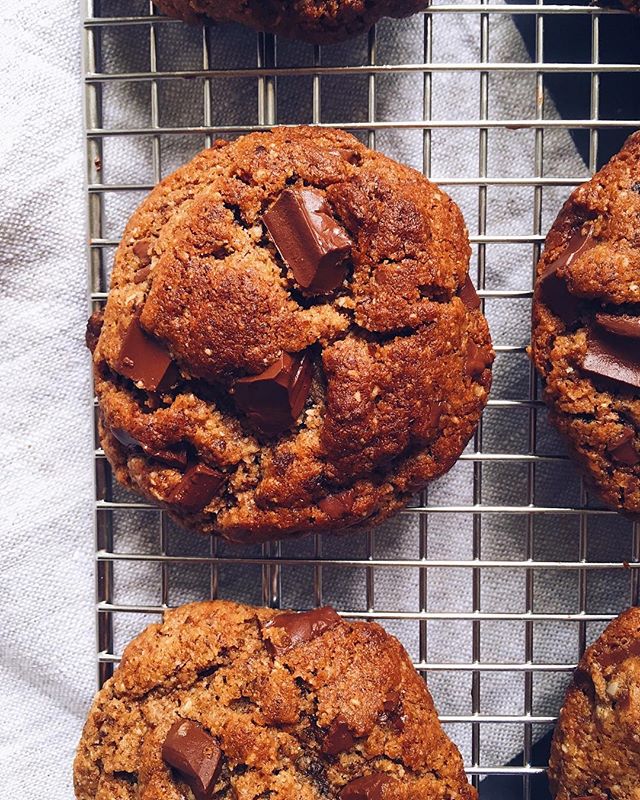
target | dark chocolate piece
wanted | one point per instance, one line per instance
(141, 251)
(94, 327)
(622, 325)
(145, 360)
(392, 711)
(195, 754)
(274, 399)
(370, 787)
(622, 450)
(197, 488)
(612, 357)
(553, 288)
(467, 293)
(338, 505)
(302, 627)
(176, 458)
(476, 362)
(338, 739)
(311, 242)
(620, 654)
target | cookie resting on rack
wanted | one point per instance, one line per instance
(291, 341)
(223, 700)
(320, 21)
(586, 327)
(595, 753)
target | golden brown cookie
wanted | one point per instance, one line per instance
(291, 341)
(228, 701)
(586, 327)
(596, 745)
(320, 21)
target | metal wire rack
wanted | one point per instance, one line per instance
(499, 575)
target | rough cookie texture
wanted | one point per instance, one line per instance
(320, 21)
(586, 314)
(381, 381)
(596, 744)
(291, 709)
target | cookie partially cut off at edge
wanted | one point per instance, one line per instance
(595, 753)
(291, 341)
(321, 21)
(239, 702)
(586, 323)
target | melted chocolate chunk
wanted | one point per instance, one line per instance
(197, 488)
(392, 711)
(311, 242)
(370, 787)
(612, 357)
(620, 654)
(553, 289)
(177, 457)
(338, 505)
(195, 755)
(467, 293)
(295, 629)
(621, 324)
(274, 399)
(622, 450)
(94, 327)
(141, 251)
(145, 360)
(338, 739)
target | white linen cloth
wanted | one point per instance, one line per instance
(47, 670)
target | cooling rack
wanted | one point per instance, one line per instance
(499, 575)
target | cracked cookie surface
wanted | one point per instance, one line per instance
(586, 324)
(294, 706)
(253, 408)
(595, 753)
(321, 21)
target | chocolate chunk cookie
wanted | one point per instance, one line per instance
(321, 21)
(240, 702)
(595, 753)
(291, 340)
(586, 327)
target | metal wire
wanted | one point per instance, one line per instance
(273, 559)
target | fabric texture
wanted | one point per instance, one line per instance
(47, 674)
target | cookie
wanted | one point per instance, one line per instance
(595, 753)
(230, 701)
(586, 327)
(322, 21)
(291, 341)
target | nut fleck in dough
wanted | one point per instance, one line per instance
(255, 407)
(293, 707)
(586, 324)
(320, 21)
(596, 745)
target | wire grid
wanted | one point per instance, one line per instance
(318, 556)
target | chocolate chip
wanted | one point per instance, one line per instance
(141, 251)
(338, 739)
(391, 713)
(197, 488)
(195, 754)
(338, 505)
(553, 289)
(175, 457)
(467, 293)
(619, 654)
(476, 362)
(612, 357)
(294, 629)
(145, 360)
(141, 275)
(622, 450)
(311, 242)
(94, 327)
(370, 787)
(274, 399)
(620, 324)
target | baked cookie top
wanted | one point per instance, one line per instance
(240, 702)
(291, 341)
(321, 21)
(586, 327)
(596, 744)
